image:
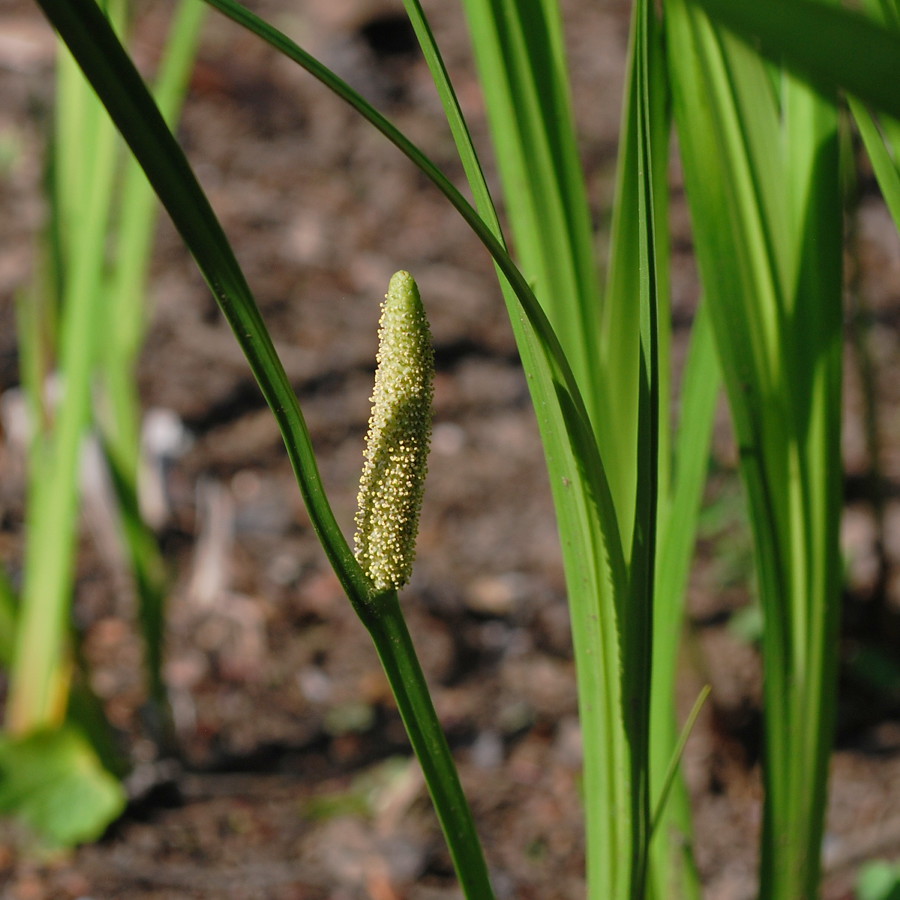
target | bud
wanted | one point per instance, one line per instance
(396, 454)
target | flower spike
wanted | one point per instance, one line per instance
(396, 454)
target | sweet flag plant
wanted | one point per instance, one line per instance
(626, 448)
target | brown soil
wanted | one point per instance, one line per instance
(295, 780)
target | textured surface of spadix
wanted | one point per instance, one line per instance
(396, 454)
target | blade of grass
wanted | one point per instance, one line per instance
(137, 216)
(813, 347)
(40, 671)
(849, 52)
(521, 58)
(9, 610)
(771, 271)
(672, 769)
(887, 170)
(636, 621)
(882, 138)
(151, 583)
(674, 870)
(126, 290)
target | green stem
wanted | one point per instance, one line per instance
(385, 623)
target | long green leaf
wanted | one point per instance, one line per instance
(520, 52)
(126, 295)
(40, 670)
(672, 770)
(484, 203)
(848, 52)
(884, 163)
(674, 869)
(108, 68)
(138, 212)
(9, 612)
(882, 136)
(771, 272)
